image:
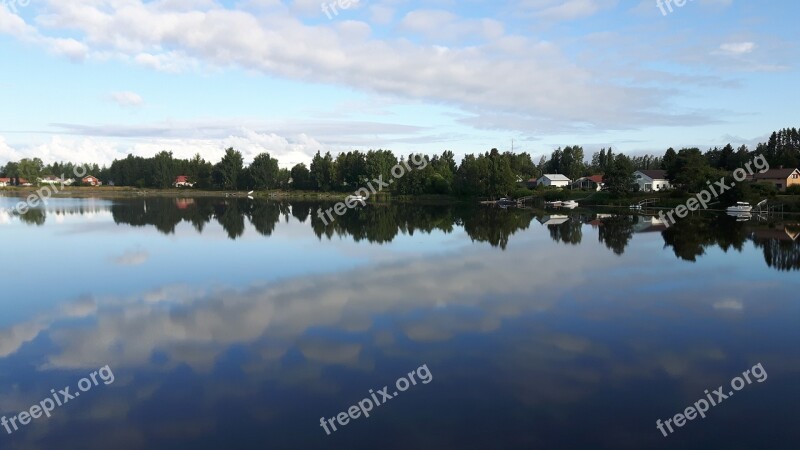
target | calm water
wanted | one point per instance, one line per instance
(239, 324)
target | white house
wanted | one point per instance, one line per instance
(5, 182)
(552, 179)
(51, 180)
(652, 180)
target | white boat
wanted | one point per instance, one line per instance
(740, 207)
(356, 198)
(556, 203)
(569, 204)
(741, 216)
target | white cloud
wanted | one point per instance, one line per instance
(104, 150)
(510, 74)
(573, 9)
(126, 98)
(738, 48)
(446, 26)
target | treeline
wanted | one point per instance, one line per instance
(31, 169)
(489, 174)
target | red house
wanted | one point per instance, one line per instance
(91, 181)
(183, 181)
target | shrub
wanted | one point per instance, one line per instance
(764, 189)
(521, 192)
(554, 195)
(793, 190)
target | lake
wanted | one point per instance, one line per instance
(230, 323)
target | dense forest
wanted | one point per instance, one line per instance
(489, 174)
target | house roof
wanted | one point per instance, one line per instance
(5, 180)
(555, 177)
(181, 179)
(596, 178)
(774, 174)
(655, 174)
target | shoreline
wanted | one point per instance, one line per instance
(791, 202)
(109, 192)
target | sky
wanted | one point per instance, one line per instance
(94, 80)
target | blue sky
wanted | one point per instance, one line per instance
(94, 80)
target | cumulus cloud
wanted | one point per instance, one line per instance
(104, 149)
(539, 80)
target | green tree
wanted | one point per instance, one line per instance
(379, 163)
(668, 162)
(690, 171)
(323, 172)
(229, 169)
(264, 172)
(30, 169)
(351, 169)
(619, 176)
(301, 177)
(163, 170)
(199, 172)
(282, 178)
(501, 177)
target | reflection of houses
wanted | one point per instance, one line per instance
(652, 180)
(598, 219)
(555, 219)
(553, 179)
(91, 181)
(780, 178)
(788, 233)
(781, 247)
(594, 182)
(184, 203)
(648, 224)
(183, 181)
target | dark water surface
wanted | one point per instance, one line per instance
(237, 324)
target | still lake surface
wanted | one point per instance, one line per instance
(237, 324)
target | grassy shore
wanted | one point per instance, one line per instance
(131, 192)
(112, 192)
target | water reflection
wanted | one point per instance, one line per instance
(382, 223)
(550, 343)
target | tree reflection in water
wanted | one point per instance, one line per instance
(382, 223)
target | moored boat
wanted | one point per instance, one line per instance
(357, 198)
(741, 216)
(740, 207)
